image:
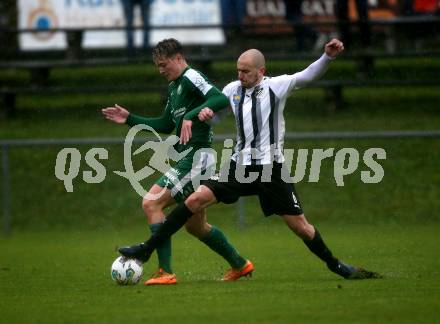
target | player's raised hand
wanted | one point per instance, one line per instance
(334, 47)
(205, 114)
(185, 132)
(116, 114)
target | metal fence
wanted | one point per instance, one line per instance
(7, 145)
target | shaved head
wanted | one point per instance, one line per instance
(254, 57)
(251, 68)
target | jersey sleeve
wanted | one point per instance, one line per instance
(229, 88)
(214, 98)
(313, 72)
(198, 81)
(282, 85)
(163, 124)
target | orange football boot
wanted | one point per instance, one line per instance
(160, 277)
(235, 274)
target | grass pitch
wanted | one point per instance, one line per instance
(53, 277)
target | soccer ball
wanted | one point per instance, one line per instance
(126, 271)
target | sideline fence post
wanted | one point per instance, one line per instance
(6, 192)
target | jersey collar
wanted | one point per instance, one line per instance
(183, 72)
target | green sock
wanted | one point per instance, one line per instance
(163, 250)
(217, 242)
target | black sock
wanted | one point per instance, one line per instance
(173, 222)
(318, 247)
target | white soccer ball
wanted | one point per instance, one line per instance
(126, 271)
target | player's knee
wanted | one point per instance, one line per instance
(149, 206)
(195, 202)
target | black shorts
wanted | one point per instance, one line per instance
(276, 196)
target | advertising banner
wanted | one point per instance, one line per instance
(46, 14)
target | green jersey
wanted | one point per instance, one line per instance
(187, 95)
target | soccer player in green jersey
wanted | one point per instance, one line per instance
(189, 92)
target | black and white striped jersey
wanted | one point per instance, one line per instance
(259, 119)
(259, 115)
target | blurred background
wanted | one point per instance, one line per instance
(62, 61)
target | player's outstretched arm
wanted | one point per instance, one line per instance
(315, 70)
(120, 115)
(116, 114)
(334, 48)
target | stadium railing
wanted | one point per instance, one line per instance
(41, 64)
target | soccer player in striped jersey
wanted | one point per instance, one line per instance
(189, 91)
(258, 102)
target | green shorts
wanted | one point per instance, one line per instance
(184, 177)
